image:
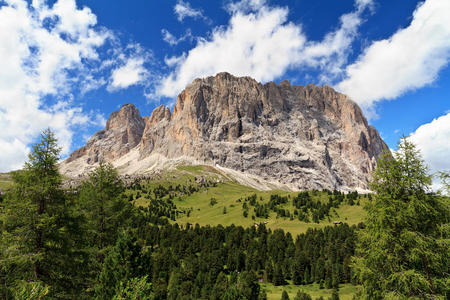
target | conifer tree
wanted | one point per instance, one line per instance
(302, 296)
(105, 208)
(220, 287)
(296, 275)
(284, 295)
(34, 233)
(173, 288)
(403, 250)
(248, 285)
(262, 295)
(335, 295)
(306, 276)
(135, 289)
(278, 278)
(126, 260)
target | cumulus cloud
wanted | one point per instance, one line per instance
(410, 59)
(433, 140)
(261, 43)
(129, 66)
(184, 10)
(133, 72)
(330, 54)
(44, 53)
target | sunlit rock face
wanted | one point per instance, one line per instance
(303, 137)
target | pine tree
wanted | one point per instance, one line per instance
(297, 278)
(278, 277)
(268, 271)
(306, 276)
(335, 278)
(106, 211)
(248, 285)
(335, 295)
(136, 289)
(173, 288)
(220, 287)
(262, 295)
(302, 296)
(403, 250)
(284, 295)
(34, 233)
(126, 260)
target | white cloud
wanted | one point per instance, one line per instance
(172, 40)
(409, 59)
(245, 6)
(129, 66)
(183, 10)
(133, 72)
(261, 43)
(330, 54)
(433, 140)
(43, 51)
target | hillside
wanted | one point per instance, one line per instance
(5, 181)
(201, 195)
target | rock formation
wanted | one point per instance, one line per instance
(300, 137)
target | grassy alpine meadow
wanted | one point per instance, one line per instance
(228, 195)
(206, 197)
(346, 291)
(5, 181)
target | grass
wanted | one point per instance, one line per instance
(5, 181)
(346, 291)
(228, 192)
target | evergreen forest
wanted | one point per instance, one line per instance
(91, 241)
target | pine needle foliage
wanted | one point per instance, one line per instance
(403, 251)
(35, 242)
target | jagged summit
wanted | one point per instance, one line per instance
(299, 137)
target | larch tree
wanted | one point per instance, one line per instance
(403, 250)
(34, 231)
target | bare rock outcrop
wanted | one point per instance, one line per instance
(302, 137)
(123, 132)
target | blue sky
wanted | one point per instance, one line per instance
(68, 64)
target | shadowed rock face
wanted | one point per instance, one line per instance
(302, 136)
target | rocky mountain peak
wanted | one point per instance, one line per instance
(127, 116)
(300, 137)
(123, 132)
(159, 114)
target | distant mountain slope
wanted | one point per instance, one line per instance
(293, 137)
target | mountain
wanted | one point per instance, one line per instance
(285, 136)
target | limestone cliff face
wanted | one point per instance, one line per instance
(300, 136)
(122, 133)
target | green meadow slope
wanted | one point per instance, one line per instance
(5, 181)
(209, 198)
(346, 291)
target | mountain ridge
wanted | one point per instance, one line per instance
(297, 137)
